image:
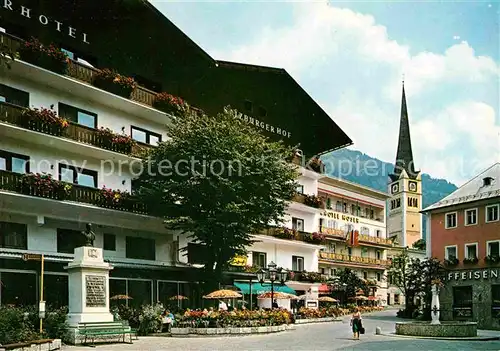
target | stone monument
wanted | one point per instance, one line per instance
(435, 304)
(88, 284)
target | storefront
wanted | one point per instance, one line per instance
(472, 295)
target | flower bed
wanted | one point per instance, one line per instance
(48, 57)
(115, 142)
(114, 82)
(234, 319)
(170, 104)
(44, 120)
(43, 185)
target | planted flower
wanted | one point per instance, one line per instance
(114, 198)
(316, 165)
(285, 233)
(114, 82)
(43, 185)
(44, 120)
(315, 238)
(313, 201)
(170, 104)
(115, 142)
(49, 57)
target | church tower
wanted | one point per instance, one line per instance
(404, 223)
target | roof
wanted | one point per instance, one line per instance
(473, 190)
(404, 156)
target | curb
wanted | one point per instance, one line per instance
(474, 338)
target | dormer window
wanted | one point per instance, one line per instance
(487, 181)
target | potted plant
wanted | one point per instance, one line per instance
(313, 201)
(44, 120)
(114, 82)
(49, 57)
(285, 233)
(315, 238)
(471, 260)
(110, 140)
(492, 259)
(170, 104)
(43, 185)
(451, 261)
(113, 198)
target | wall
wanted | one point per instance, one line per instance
(480, 233)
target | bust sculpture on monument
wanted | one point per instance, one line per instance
(89, 236)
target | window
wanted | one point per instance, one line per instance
(14, 162)
(349, 251)
(492, 213)
(259, 259)
(378, 255)
(493, 248)
(333, 272)
(145, 136)
(344, 207)
(140, 248)
(353, 209)
(451, 220)
(297, 263)
(78, 176)
(196, 253)
(332, 224)
(338, 206)
(300, 189)
(379, 277)
(77, 115)
(372, 214)
(14, 96)
(471, 250)
(329, 203)
(13, 235)
(248, 105)
(462, 302)
(450, 252)
(471, 216)
(68, 240)
(412, 202)
(298, 224)
(70, 54)
(365, 231)
(262, 112)
(365, 275)
(331, 247)
(109, 242)
(378, 233)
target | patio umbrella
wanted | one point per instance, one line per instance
(178, 297)
(276, 295)
(223, 294)
(361, 297)
(373, 298)
(327, 299)
(120, 297)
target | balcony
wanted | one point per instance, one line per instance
(290, 234)
(12, 114)
(357, 260)
(13, 182)
(339, 234)
(84, 73)
(374, 240)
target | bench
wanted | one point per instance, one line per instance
(28, 344)
(91, 330)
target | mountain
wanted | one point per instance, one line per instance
(360, 168)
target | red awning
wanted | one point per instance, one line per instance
(372, 298)
(323, 288)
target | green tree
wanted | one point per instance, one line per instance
(419, 244)
(352, 282)
(218, 180)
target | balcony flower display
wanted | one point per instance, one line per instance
(312, 277)
(44, 120)
(114, 82)
(43, 185)
(451, 261)
(49, 57)
(285, 233)
(313, 201)
(492, 259)
(110, 140)
(316, 165)
(114, 198)
(471, 260)
(315, 238)
(170, 104)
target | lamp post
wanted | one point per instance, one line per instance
(272, 274)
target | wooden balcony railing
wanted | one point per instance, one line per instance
(82, 72)
(329, 256)
(13, 182)
(333, 233)
(290, 234)
(374, 240)
(13, 114)
(341, 235)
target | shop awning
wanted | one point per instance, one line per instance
(259, 289)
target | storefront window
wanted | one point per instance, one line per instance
(55, 290)
(140, 291)
(18, 289)
(117, 287)
(462, 302)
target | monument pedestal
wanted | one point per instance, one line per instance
(88, 287)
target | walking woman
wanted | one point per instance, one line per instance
(357, 327)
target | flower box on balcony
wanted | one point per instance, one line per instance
(285, 233)
(110, 140)
(313, 201)
(115, 83)
(44, 120)
(492, 259)
(43, 185)
(115, 199)
(472, 260)
(48, 57)
(170, 104)
(315, 238)
(451, 261)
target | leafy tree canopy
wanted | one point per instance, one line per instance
(219, 180)
(352, 282)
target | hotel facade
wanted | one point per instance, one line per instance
(464, 233)
(54, 179)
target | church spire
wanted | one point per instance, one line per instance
(404, 156)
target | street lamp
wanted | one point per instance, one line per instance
(273, 274)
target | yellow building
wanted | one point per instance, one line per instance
(404, 223)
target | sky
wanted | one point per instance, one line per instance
(351, 57)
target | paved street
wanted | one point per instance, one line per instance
(326, 336)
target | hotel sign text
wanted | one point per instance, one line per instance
(341, 216)
(263, 125)
(472, 275)
(43, 19)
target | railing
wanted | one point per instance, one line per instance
(13, 182)
(83, 72)
(330, 256)
(276, 232)
(13, 114)
(341, 235)
(333, 233)
(374, 240)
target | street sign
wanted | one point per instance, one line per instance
(32, 257)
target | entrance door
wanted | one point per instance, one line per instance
(462, 302)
